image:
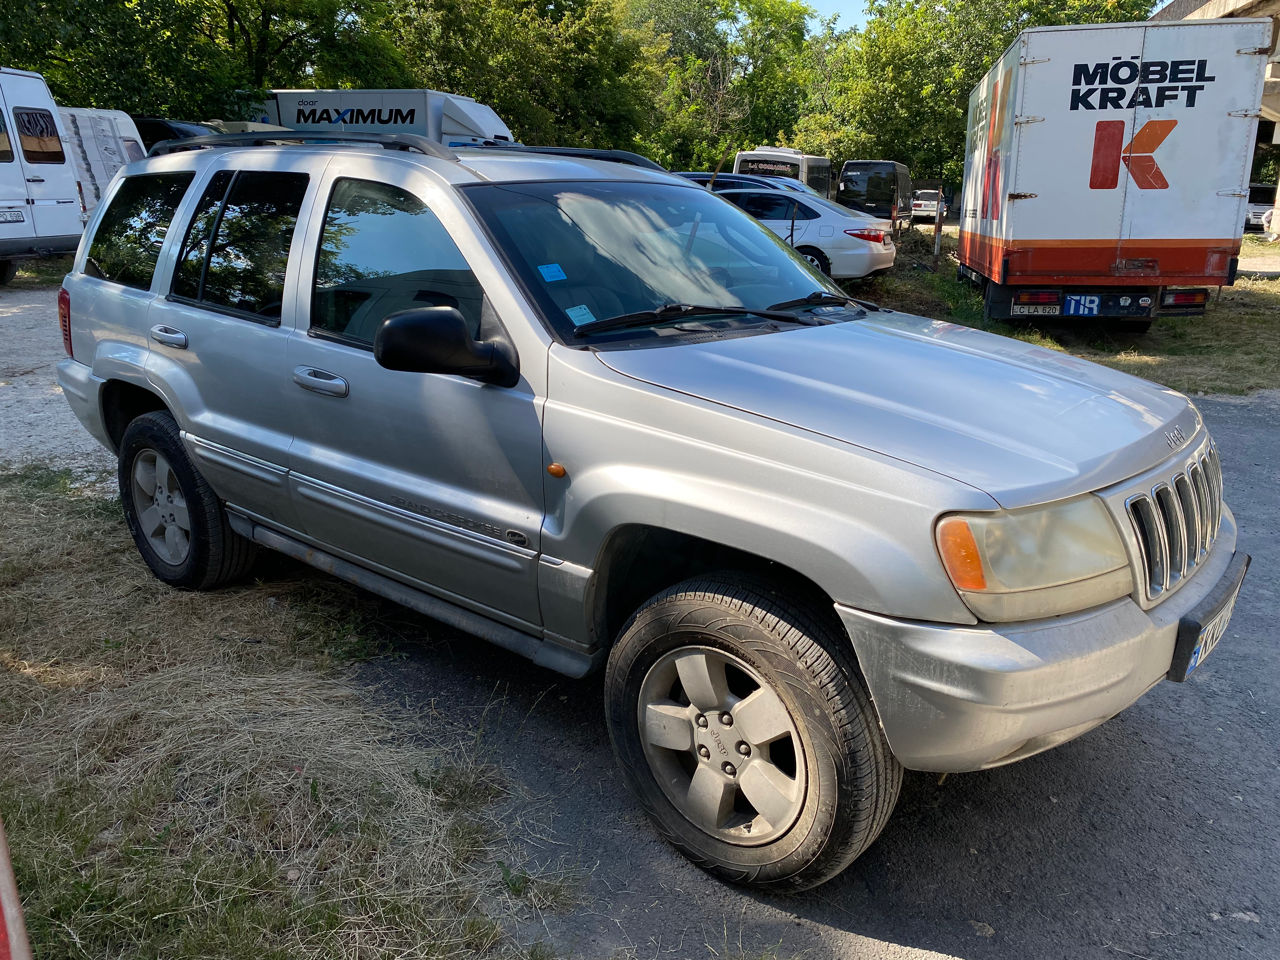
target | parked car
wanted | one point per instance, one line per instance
(746, 181)
(156, 129)
(41, 209)
(924, 205)
(100, 143)
(840, 242)
(1262, 197)
(602, 418)
(881, 188)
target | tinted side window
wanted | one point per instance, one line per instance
(195, 246)
(249, 252)
(38, 135)
(766, 206)
(6, 145)
(133, 227)
(382, 251)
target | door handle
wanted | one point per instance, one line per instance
(35, 179)
(169, 336)
(319, 381)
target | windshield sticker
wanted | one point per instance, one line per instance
(551, 272)
(580, 314)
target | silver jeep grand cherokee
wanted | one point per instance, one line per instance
(598, 416)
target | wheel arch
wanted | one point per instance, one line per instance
(122, 403)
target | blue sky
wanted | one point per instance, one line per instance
(852, 13)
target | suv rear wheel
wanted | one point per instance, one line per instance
(176, 519)
(744, 728)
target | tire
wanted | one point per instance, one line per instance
(798, 782)
(8, 270)
(816, 259)
(157, 482)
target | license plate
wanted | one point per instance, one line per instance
(1199, 632)
(11, 216)
(1082, 305)
(1027, 309)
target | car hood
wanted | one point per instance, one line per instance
(1021, 423)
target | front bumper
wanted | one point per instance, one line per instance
(958, 698)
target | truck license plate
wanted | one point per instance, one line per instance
(1082, 305)
(11, 216)
(1025, 309)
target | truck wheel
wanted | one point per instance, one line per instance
(8, 270)
(175, 518)
(744, 728)
(816, 259)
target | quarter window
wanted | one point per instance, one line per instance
(38, 134)
(131, 232)
(383, 251)
(237, 247)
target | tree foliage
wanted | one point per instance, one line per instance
(685, 81)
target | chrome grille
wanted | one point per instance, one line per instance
(1177, 521)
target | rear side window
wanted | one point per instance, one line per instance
(133, 227)
(383, 251)
(774, 205)
(237, 247)
(38, 135)
(6, 145)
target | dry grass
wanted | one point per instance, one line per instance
(191, 775)
(1233, 348)
(47, 271)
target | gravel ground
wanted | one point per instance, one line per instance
(1154, 836)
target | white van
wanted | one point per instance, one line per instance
(41, 212)
(100, 143)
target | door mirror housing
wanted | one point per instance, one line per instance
(438, 340)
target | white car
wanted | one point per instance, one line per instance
(1262, 197)
(844, 244)
(924, 205)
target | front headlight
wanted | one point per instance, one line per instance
(1038, 562)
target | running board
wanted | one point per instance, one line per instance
(571, 663)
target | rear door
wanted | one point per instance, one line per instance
(16, 227)
(1191, 149)
(776, 210)
(48, 171)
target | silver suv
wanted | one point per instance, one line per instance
(600, 417)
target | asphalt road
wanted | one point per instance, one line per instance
(1154, 836)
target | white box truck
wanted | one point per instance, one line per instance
(453, 120)
(1106, 164)
(41, 209)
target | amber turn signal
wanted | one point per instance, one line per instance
(960, 554)
(556, 469)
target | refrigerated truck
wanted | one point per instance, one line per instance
(1106, 166)
(449, 118)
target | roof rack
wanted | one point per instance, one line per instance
(587, 153)
(410, 142)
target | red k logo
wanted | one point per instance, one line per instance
(1136, 155)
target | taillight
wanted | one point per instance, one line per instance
(1036, 296)
(64, 319)
(870, 234)
(1178, 298)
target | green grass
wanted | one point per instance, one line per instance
(193, 775)
(1233, 348)
(45, 272)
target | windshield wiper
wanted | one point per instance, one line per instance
(680, 311)
(821, 298)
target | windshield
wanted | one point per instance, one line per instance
(926, 194)
(593, 250)
(1262, 193)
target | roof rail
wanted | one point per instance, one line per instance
(587, 153)
(411, 142)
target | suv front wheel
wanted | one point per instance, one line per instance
(176, 519)
(744, 728)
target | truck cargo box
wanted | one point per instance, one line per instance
(1109, 161)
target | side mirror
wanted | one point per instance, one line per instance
(438, 340)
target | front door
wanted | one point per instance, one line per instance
(51, 182)
(433, 479)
